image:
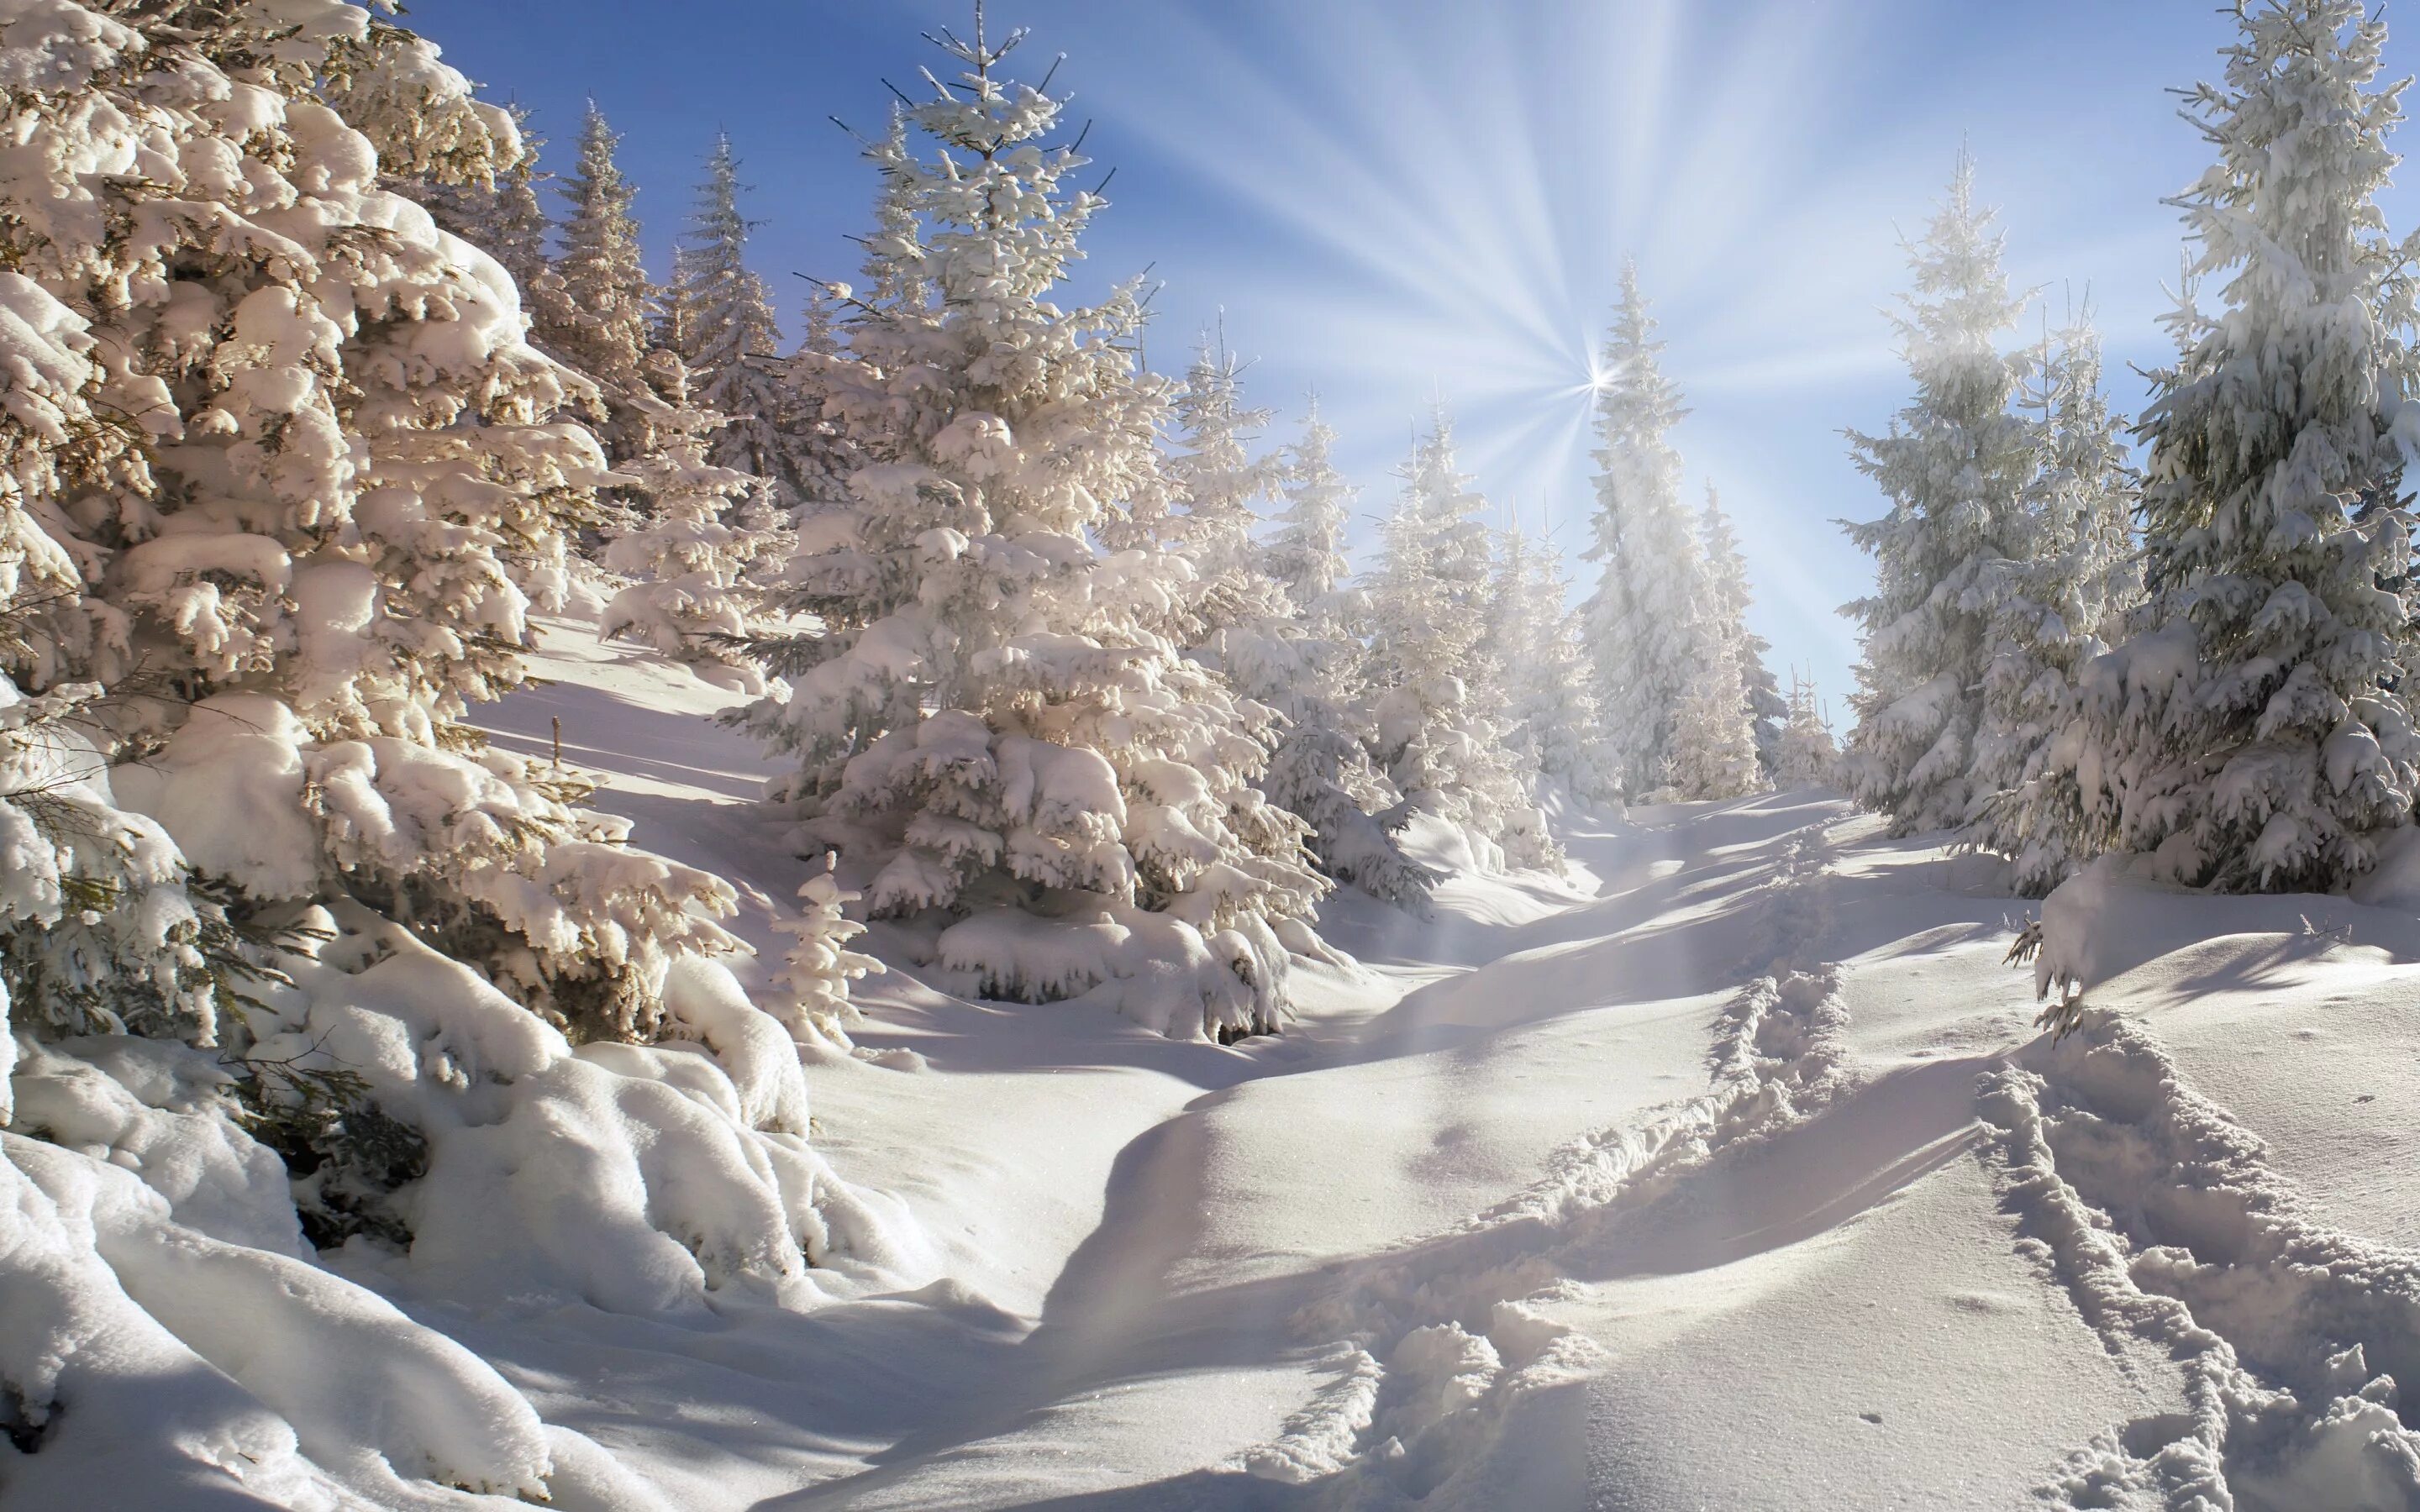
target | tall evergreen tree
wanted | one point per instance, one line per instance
(988, 719)
(1713, 751)
(2250, 736)
(1219, 486)
(1729, 598)
(1550, 703)
(1954, 465)
(1645, 629)
(1306, 555)
(607, 301)
(728, 334)
(349, 461)
(1312, 669)
(1440, 708)
(2078, 576)
(689, 555)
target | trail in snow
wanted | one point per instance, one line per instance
(1734, 1176)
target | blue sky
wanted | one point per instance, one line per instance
(1395, 199)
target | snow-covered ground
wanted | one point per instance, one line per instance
(1728, 1171)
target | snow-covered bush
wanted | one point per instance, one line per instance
(989, 713)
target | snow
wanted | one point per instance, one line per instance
(1728, 1170)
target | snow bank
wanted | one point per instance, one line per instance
(168, 1335)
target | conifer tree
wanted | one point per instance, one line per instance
(1805, 756)
(988, 716)
(1220, 484)
(1311, 670)
(2251, 736)
(1440, 696)
(690, 553)
(1553, 721)
(1306, 555)
(1729, 597)
(821, 452)
(810, 994)
(1644, 624)
(311, 543)
(729, 337)
(607, 302)
(2079, 576)
(1715, 752)
(1954, 465)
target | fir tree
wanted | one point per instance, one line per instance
(1713, 750)
(810, 994)
(2079, 577)
(1729, 599)
(2249, 737)
(690, 552)
(1805, 756)
(1440, 732)
(1306, 555)
(729, 337)
(988, 716)
(602, 327)
(1955, 465)
(313, 548)
(1550, 704)
(1644, 621)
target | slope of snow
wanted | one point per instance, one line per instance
(1726, 1170)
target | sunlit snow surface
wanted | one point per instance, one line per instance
(1728, 1172)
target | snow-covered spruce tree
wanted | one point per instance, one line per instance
(99, 933)
(1550, 707)
(821, 450)
(729, 337)
(337, 457)
(1954, 465)
(1713, 748)
(1219, 485)
(1441, 720)
(689, 555)
(1296, 659)
(810, 994)
(2247, 739)
(503, 218)
(602, 324)
(987, 718)
(1645, 629)
(2079, 577)
(1305, 553)
(1805, 756)
(1729, 597)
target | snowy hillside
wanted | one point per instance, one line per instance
(1731, 1173)
(599, 909)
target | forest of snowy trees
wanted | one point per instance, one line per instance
(318, 391)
